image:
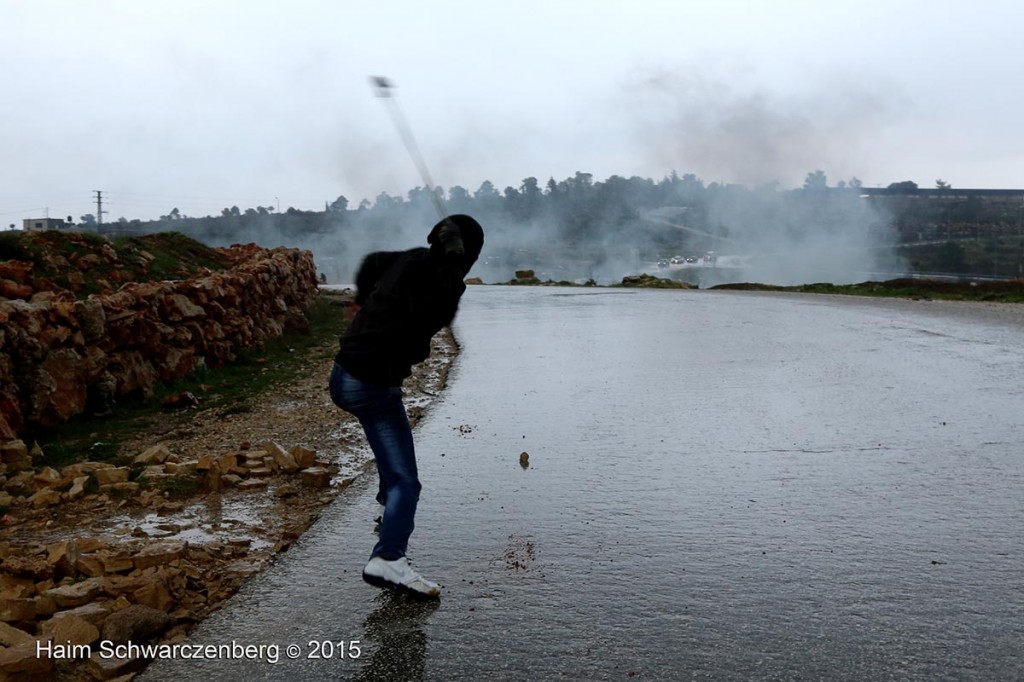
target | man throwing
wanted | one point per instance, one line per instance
(404, 298)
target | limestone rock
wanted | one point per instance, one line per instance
(178, 307)
(21, 662)
(83, 469)
(122, 489)
(157, 454)
(115, 561)
(282, 458)
(154, 594)
(10, 635)
(154, 472)
(63, 556)
(93, 613)
(86, 545)
(46, 477)
(77, 488)
(112, 475)
(315, 477)
(107, 668)
(45, 607)
(180, 468)
(252, 484)
(47, 497)
(287, 490)
(304, 457)
(20, 483)
(15, 455)
(77, 594)
(60, 388)
(91, 318)
(137, 623)
(90, 566)
(158, 554)
(67, 628)
(32, 567)
(15, 610)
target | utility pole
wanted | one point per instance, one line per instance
(1020, 238)
(99, 206)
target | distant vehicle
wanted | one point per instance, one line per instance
(678, 260)
(691, 259)
(663, 263)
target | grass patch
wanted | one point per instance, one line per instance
(86, 263)
(79, 441)
(13, 246)
(1004, 291)
(174, 254)
(227, 390)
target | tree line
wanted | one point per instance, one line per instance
(658, 217)
(575, 208)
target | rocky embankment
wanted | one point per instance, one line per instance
(63, 356)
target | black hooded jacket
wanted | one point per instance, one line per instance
(405, 297)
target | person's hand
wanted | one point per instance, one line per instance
(349, 310)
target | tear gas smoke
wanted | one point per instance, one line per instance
(760, 139)
(620, 226)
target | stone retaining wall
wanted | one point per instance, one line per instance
(61, 357)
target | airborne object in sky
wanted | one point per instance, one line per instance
(383, 88)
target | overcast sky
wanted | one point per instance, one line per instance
(205, 104)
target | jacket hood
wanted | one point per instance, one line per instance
(472, 236)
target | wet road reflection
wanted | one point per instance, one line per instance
(397, 627)
(719, 485)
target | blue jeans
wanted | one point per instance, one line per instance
(381, 413)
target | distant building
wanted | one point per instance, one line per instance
(29, 224)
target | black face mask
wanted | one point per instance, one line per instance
(469, 233)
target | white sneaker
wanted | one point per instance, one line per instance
(399, 575)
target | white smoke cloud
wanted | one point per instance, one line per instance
(725, 129)
(728, 131)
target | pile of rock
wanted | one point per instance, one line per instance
(151, 473)
(61, 357)
(72, 594)
(60, 601)
(250, 468)
(62, 604)
(525, 277)
(646, 281)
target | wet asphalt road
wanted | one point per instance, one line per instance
(722, 485)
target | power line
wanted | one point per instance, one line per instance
(23, 210)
